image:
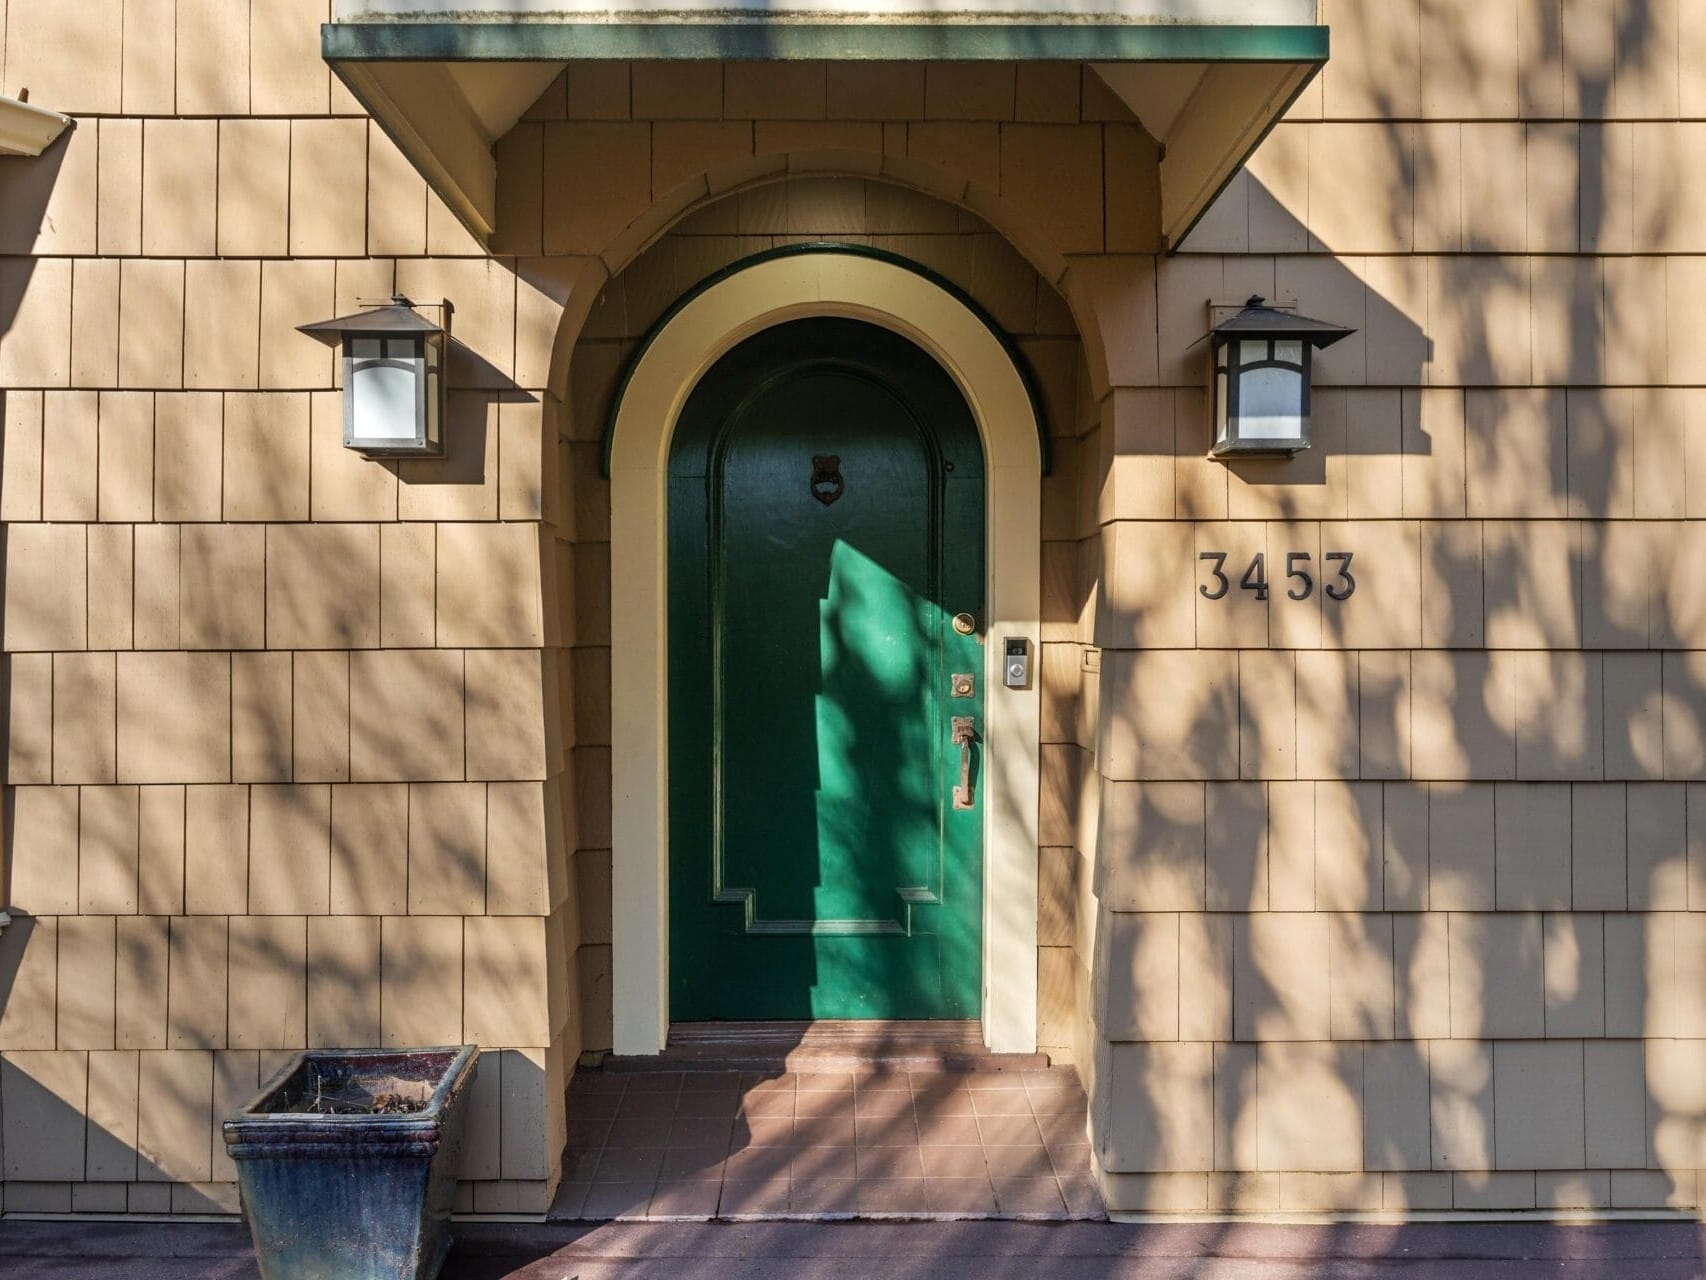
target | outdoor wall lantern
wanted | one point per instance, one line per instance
(1261, 379)
(394, 361)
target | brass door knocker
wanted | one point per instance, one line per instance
(827, 484)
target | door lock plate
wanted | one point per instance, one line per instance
(962, 684)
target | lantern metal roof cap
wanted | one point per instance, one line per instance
(397, 318)
(1257, 319)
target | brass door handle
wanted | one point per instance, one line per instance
(965, 733)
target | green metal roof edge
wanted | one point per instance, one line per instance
(811, 41)
(971, 304)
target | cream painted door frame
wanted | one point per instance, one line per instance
(770, 291)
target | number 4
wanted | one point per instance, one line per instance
(1256, 577)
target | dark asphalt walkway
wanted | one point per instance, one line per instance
(908, 1251)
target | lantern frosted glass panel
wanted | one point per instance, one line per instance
(385, 376)
(1261, 394)
(1268, 401)
(434, 391)
(1220, 436)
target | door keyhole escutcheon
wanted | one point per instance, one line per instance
(965, 733)
(827, 483)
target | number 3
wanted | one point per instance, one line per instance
(1219, 558)
(1344, 574)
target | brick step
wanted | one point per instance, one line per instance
(828, 1046)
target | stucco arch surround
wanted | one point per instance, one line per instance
(763, 293)
(1080, 271)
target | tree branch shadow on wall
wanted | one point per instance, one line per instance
(1270, 991)
(26, 186)
(1397, 439)
(1545, 603)
(56, 1118)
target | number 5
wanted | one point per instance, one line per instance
(1344, 557)
(1291, 560)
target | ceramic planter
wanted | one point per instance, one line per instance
(335, 1189)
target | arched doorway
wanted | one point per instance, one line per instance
(752, 297)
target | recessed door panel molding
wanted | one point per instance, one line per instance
(826, 524)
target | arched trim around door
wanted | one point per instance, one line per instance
(707, 324)
(847, 250)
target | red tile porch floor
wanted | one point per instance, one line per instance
(688, 1145)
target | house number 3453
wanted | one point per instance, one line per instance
(1297, 573)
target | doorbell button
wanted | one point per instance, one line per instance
(1016, 659)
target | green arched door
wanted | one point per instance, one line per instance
(825, 528)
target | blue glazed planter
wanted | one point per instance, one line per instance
(358, 1195)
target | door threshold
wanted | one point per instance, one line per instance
(828, 1045)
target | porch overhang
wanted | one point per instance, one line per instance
(446, 79)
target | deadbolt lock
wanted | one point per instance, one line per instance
(964, 623)
(962, 684)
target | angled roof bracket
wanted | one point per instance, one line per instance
(26, 129)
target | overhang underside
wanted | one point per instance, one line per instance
(446, 91)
